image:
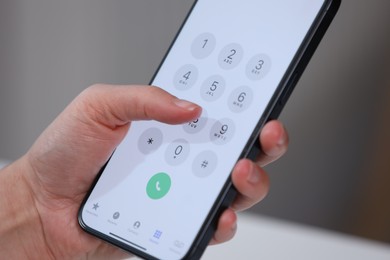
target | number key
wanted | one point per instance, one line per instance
(230, 56)
(240, 99)
(258, 67)
(177, 152)
(213, 88)
(203, 45)
(222, 131)
(185, 77)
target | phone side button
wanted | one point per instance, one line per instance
(283, 97)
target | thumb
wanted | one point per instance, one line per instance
(85, 134)
(115, 106)
(69, 153)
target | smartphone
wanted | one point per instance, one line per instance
(161, 193)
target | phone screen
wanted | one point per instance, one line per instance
(230, 57)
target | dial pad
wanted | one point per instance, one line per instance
(224, 96)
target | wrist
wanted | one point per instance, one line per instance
(21, 235)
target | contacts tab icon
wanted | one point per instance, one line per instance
(137, 225)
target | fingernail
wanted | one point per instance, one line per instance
(185, 104)
(254, 176)
(282, 141)
(278, 149)
(234, 227)
(275, 151)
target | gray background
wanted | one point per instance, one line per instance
(50, 50)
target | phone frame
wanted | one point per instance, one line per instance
(252, 147)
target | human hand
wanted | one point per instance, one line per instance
(48, 184)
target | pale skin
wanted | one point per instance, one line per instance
(40, 193)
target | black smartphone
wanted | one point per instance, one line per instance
(162, 191)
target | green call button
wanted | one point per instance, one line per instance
(158, 186)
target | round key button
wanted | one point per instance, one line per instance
(204, 164)
(150, 140)
(203, 45)
(177, 152)
(158, 186)
(222, 131)
(240, 99)
(185, 77)
(258, 67)
(197, 125)
(230, 56)
(213, 88)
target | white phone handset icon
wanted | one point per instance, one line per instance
(158, 186)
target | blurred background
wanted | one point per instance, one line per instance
(336, 174)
